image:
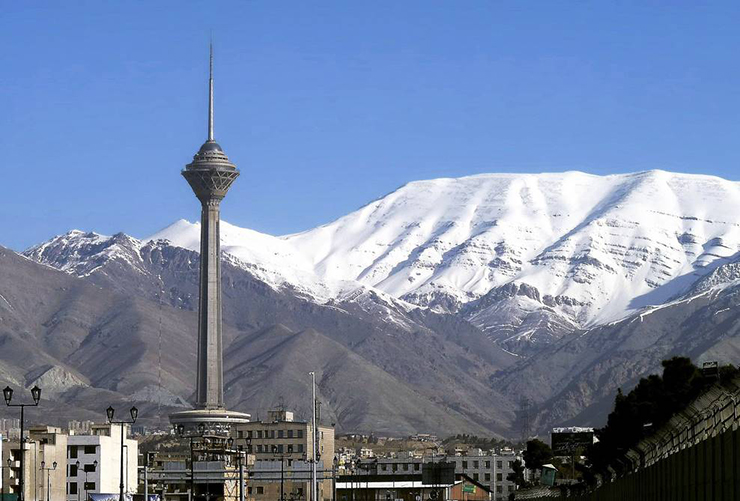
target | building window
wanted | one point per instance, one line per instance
(89, 486)
(499, 489)
(72, 451)
(499, 465)
(499, 477)
(476, 465)
(73, 470)
(488, 477)
(261, 490)
(488, 465)
(290, 433)
(475, 477)
(259, 449)
(465, 465)
(300, 433)
(259, 433)
(383, 467)
(405, 467)
(416, 466)
(272, 433)
(300, 447)
(280, 433)
(90, 449)
(511, 488)
(72, 487)
(280, 448)
(511, 463)
(89, 468)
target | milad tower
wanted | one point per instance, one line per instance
(210, 175)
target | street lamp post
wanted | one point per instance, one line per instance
(10, 462)
(181, 431)
(8, 395)
(84, 486)
(282, 471)
(240, 463)
(110, 412)
(48, 477)
(77, 474)
(335, 466)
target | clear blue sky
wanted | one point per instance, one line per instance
(325, 106)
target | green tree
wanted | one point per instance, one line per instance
(537, 454)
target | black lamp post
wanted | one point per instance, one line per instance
(181, 431)
(77, 474)
(48, 477)
(282, 471)
(8, 395)
(110, 412)
(10, 462)
(84, 486)
(334, 468)
(239, 452)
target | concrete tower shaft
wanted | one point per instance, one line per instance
(210, 175)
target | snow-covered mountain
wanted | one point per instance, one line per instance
(526, 257)
(612, 274)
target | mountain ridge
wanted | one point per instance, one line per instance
(539, 287)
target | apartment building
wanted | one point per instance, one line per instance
(283, 457)
(44, 464)
(490, 470)
(94, 462)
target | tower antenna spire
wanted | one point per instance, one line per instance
(210, 96)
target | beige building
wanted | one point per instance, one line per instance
(284, 457)
(45, 446)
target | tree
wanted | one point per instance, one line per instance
(650, 405)
(537, 454)
(517, 474)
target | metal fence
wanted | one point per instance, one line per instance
(707, 471)
(694, 457)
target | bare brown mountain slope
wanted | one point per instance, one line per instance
(99, 340)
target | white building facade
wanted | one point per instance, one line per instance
(94, 462)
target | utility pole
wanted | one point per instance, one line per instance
(241, 475)
(314, 489)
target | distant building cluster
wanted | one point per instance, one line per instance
(274, 456)
(489, 469)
